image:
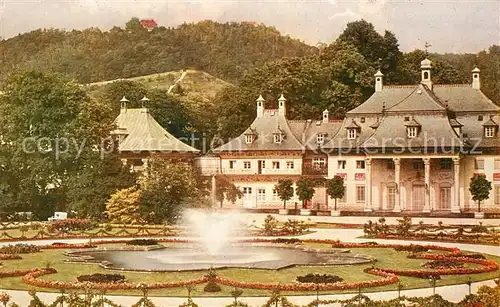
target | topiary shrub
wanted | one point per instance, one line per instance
(101, 278)
(142, 242)
(212, 286)
(319, 279)
(19, 249)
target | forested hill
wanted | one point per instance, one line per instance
(225, 50)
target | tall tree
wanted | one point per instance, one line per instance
(284, 189)
(480, 188)
(167, 187)
(305, 190)
(48, 124)
(335, 188)
(123, 207)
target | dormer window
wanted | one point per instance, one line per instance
(249, 138)
(351, 134)
(489, 132)
(278, 138)
(412, 128)
(320, 138)
(480, 118)
(412, 132)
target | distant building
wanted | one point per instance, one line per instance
(141, 137)
(411, 148)
(149, 24)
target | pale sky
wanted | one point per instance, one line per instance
(448, 25)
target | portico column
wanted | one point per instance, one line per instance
(455, 206)
(368, 189)
(397, 178)
(214, 192)
(427, 174)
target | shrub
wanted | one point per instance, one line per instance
(19, 249)
(319, 279)
(212, 286)
(411, 248)
(270, 225)
(295, 227)
(444, 264)
(72, 224)
(142, 242)
(101, 278)
(286, 241)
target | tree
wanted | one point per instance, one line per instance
(284, 189)
(227, 190)
(167, 187)
(48, 126)
(305, 190)
(335, 188)
(123, 206)
(480, 189)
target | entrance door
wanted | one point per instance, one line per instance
(418, 197)
(261, 164)
(445, 198)
(390, 198)
(247, 198)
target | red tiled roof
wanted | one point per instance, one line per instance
(149, 23)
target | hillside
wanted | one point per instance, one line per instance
(224, 50)
(192, 85)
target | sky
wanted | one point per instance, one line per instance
(456, 26)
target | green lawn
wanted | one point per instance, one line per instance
(386, 258)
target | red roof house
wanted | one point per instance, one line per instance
(149, 24)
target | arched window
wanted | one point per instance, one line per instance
(426, 75)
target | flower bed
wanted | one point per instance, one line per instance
(10, 257)
(443, 264)
(142, 242)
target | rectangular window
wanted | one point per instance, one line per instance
(360, 193)
(319, 163)
(341, 164)
(412, 132)
(320, 138)
(275, 195)
(261, 195)
(360, 164)
(480, 118)
(489, 132)
(232, 164)
(290, 165)
(247, 193)
(390, 164)
(479, 164)
(278, 138)
(418, 164)
(445, 197)
(351, 134)
(446, 163)
(497, 164)
(497, 195)
(247, 165)
(276, 165)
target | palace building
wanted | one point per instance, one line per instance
(411, 148)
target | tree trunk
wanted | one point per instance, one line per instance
(284, 204)
(335, 204)
(479, 206)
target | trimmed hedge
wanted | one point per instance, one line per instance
(142, 242)
(19, 249)
(101, 278)
(319, 279)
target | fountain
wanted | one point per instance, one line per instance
(215, 246)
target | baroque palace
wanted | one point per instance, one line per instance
(411, 148)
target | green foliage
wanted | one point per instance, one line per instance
(335, 188)
(319, 279)
(225, 50)
(167, 187)
(270, 225)
(284, 189)
(123, 207)
(480, 189)
(226, 190)
(305, 190)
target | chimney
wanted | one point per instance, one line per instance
(282, 106)
(379, 81)
(426, 66)
(260, 106)
(476, 81)
(325, 116)
(123, 105)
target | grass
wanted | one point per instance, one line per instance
(354, 273)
